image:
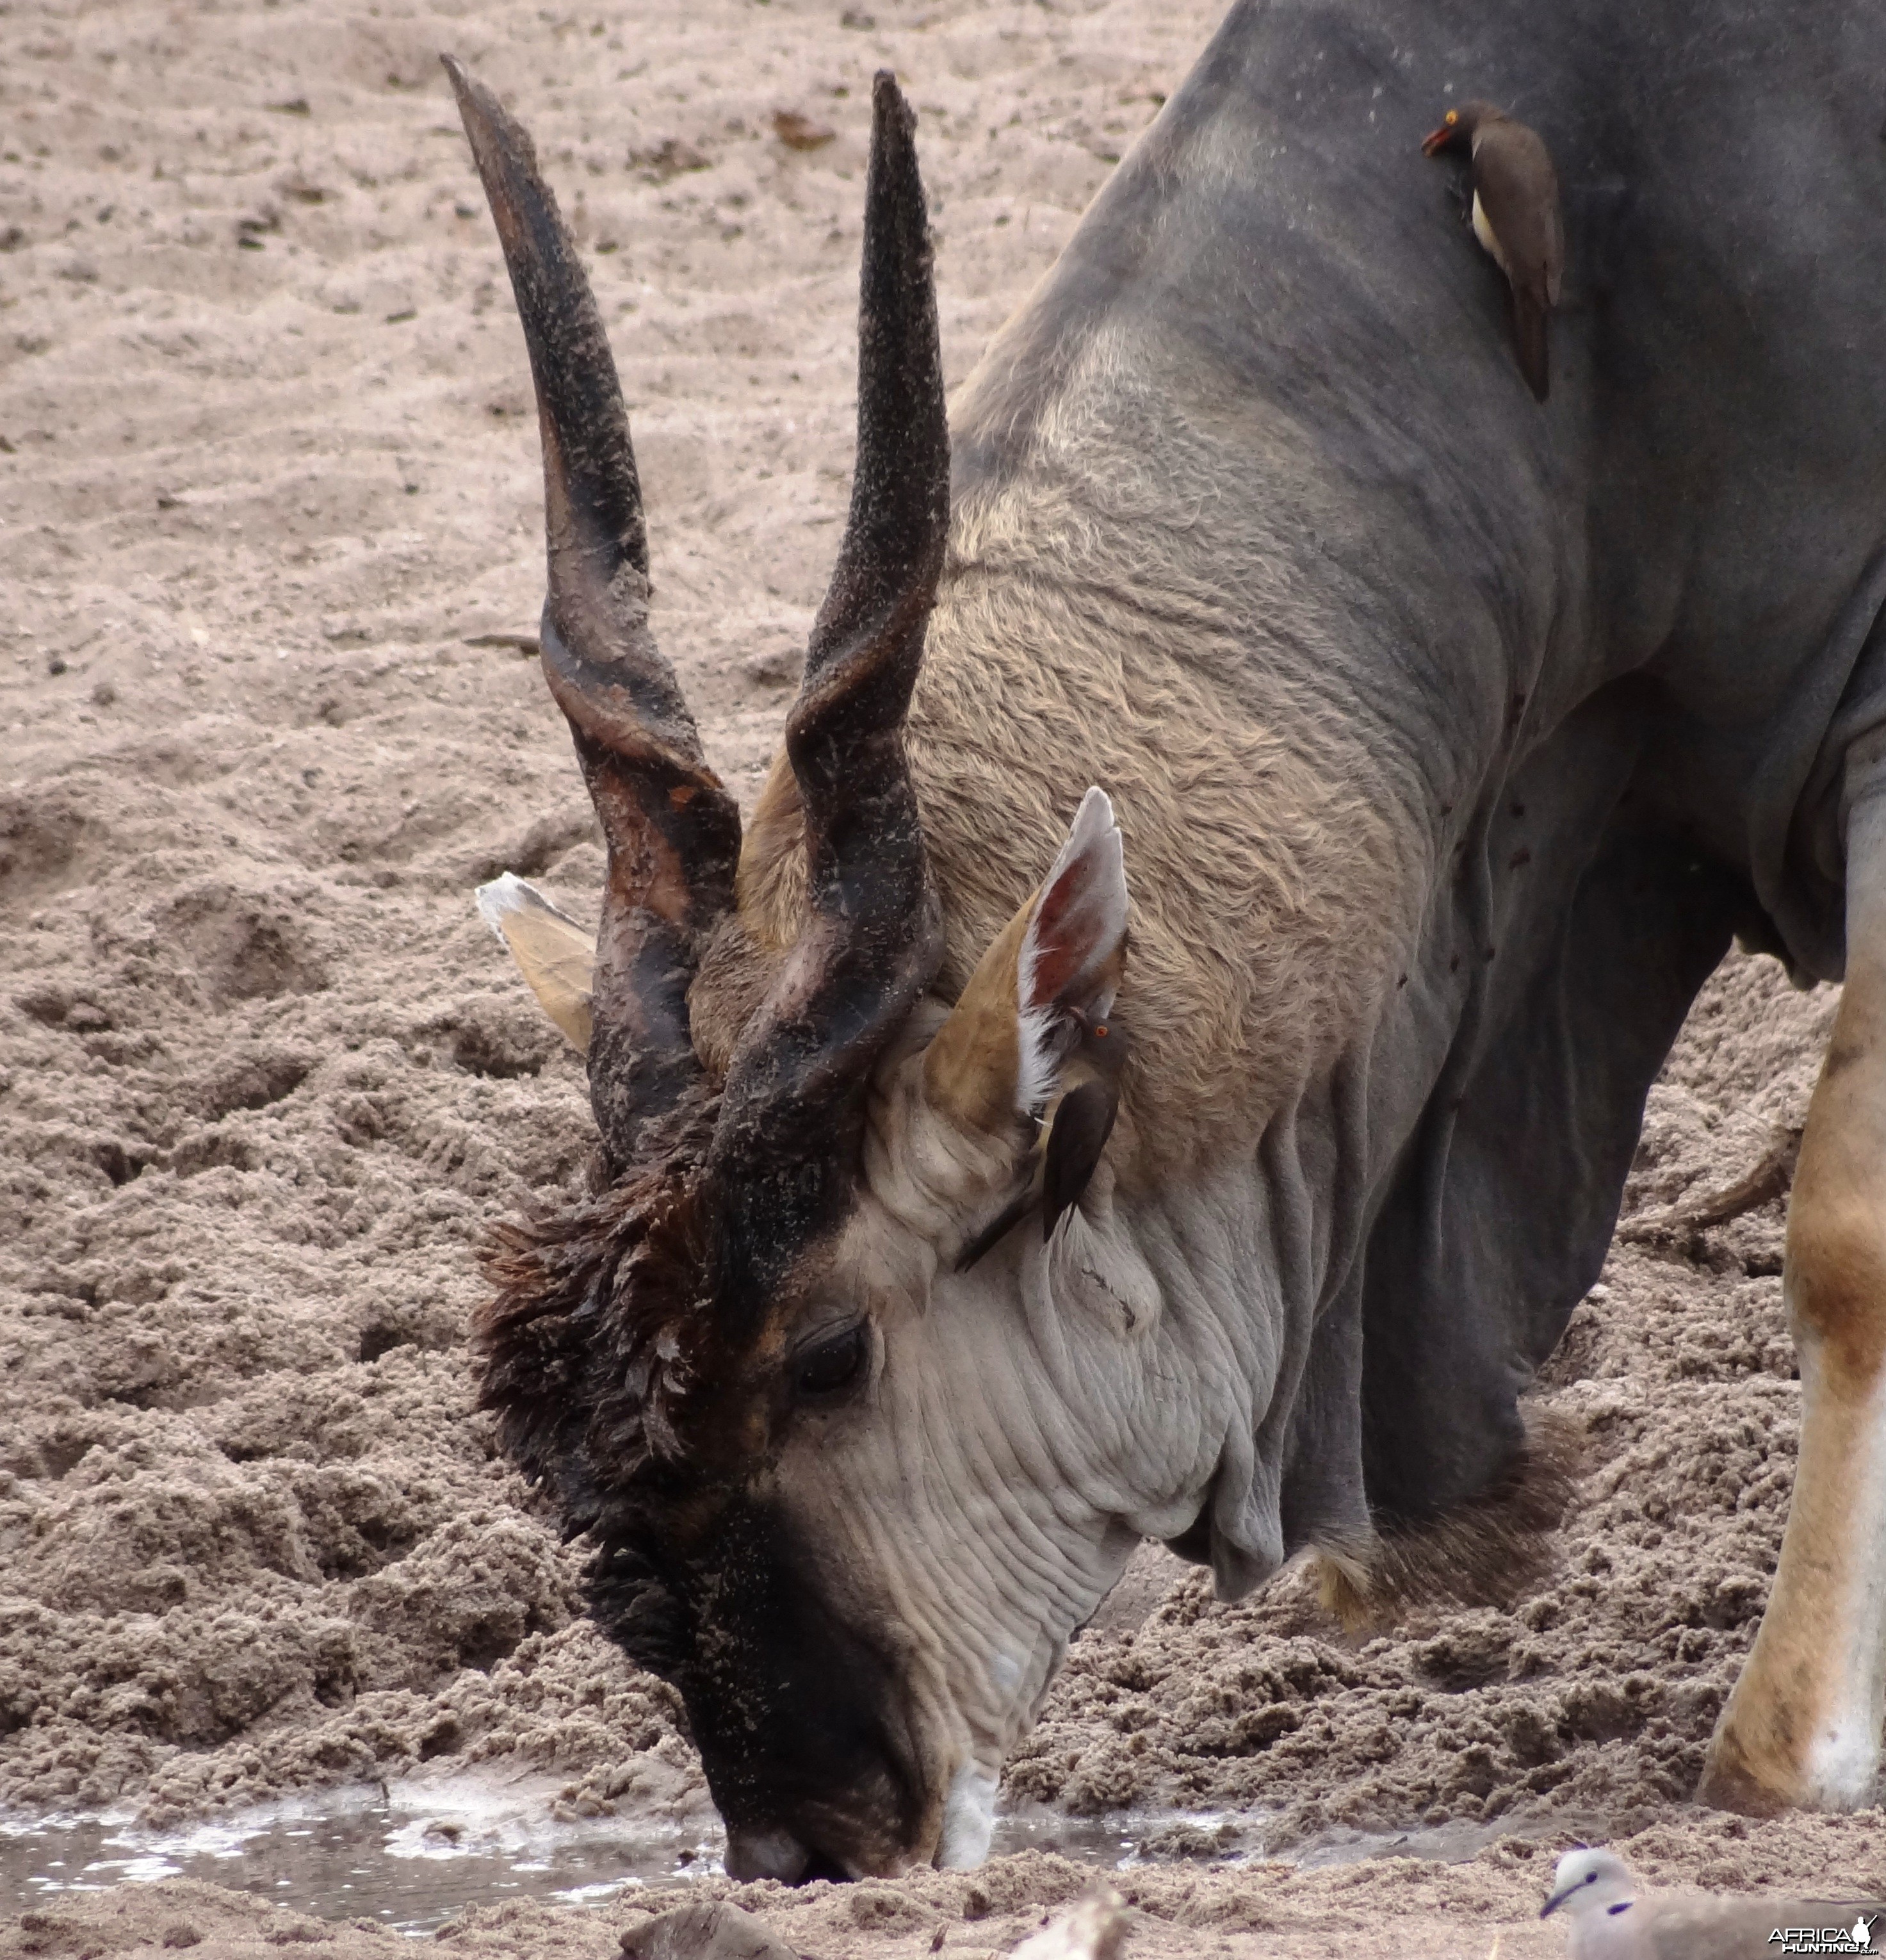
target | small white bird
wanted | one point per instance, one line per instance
(1613, 1918)
(1597, 1891)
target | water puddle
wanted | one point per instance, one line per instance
(410, 1855)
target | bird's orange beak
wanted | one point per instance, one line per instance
(1437, 140)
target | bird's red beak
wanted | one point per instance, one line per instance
(1437, 140)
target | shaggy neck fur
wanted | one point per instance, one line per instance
(1274, 865)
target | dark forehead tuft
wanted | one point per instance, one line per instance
(600, 1313)
(624, 1348)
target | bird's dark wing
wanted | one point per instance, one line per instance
(1081, 1125)
(1518, 192)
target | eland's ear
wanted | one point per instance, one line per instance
(556, 956)
(1042, 991)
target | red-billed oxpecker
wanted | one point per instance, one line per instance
(1516, 214)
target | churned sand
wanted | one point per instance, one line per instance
(269, 562)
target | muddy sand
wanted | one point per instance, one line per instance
(269, 541)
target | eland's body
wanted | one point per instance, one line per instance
(1450, 739)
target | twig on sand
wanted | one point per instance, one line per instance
(520, 643)
(1770, 1179)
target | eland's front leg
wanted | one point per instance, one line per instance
(1802, 1727)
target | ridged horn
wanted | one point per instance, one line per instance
(872, 939)
(671, 830)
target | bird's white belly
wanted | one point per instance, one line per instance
(1484, 233)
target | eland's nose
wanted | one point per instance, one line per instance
(770, 1853)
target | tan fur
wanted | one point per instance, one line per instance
(770, 886)
(971, 1069)
(1079, 642)
(735, 972)
(1802, 1726)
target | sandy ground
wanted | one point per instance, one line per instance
(268, 511)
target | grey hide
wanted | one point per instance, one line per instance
(1627, 638)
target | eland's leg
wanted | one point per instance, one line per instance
(1802, 1727)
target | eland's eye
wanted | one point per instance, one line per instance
(834, 1364)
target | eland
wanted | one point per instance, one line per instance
(1162, 1057)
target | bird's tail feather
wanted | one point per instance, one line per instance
(1529, 337)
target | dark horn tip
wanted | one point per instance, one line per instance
(479, 109)
(463, 86)
(499, 144)
(891, 111)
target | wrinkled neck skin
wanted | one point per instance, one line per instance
(1142, 1374)
(1034, 1418)
(1295, 756)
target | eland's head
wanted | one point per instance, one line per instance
(791, 1370)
